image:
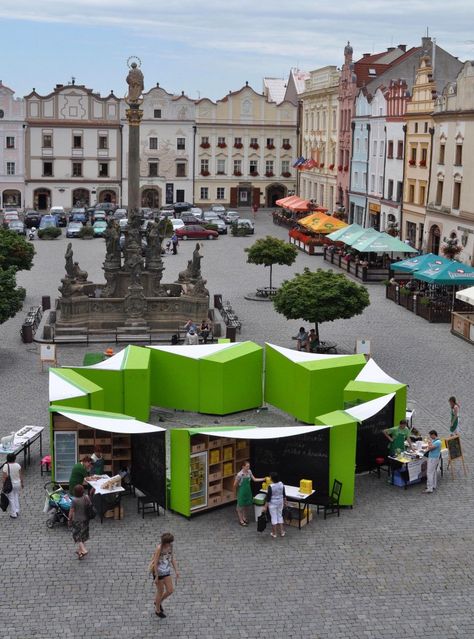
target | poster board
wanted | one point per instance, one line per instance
(149, 465)
(455, 454)
(363, 347)
(48, 354)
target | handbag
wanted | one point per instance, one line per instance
(4, 501)
(262, 522)
(7, 484)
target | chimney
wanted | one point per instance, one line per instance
(426, 43)
(365, 55)
(390, 49)
(402, 47)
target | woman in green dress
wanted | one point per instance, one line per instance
(244, 492)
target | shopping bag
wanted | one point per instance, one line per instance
(262, 522)
(3, 501)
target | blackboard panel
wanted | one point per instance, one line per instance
(294, 458)
(371, 442)
(454, 447)
(149, 465)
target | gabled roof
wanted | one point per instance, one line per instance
(274, 89)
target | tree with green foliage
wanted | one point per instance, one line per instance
(16, 254)
(320, 296)
(269, 251)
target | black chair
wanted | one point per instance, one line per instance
(330, 505)
(147, 504)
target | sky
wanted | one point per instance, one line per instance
(207, 48)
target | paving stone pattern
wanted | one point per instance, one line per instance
(399, 565)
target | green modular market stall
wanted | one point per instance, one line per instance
(373, 382)
(306, 384)
(71, 389)
(205, 460)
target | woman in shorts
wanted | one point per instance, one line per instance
(162, 562)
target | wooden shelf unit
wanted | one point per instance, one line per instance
(225, 457)
(116, 449)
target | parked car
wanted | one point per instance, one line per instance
(123, 223)
(230, 217)
(146, 213)
(17, 227)
(221, 225)
(196, 211)
(73, 229)
(32, 219)
(182, 206)
(99, 226)
(78, 217)
(60, 214)
(177, 224)
(97, 215)
(108, 207)
(244, 223)
(48, 220)
(219, 209)
(191, 219)
(10, 216)
(119, 214)
(196, 231)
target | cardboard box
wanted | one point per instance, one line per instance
(215, 456)
(228, 468)
(228, 452)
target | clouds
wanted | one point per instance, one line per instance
(249, 37)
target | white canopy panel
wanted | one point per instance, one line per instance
(466, 295)
(301, 356)
(369, 409)
(197, 351)
(60, 388)
(114, 363)
(121, 424)
(373, 373)
(264, 433)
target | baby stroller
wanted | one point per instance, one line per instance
(57, 504)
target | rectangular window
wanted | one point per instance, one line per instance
(411, 193)
(157, 113)
(180, 169)
(426, 127)
(204, 167)
(439, 193)
(205, 141)
(374, 147)
(221, 141)
(220, 194)
(400, 150)
(47, 169)
(364, 180)
(390, 149)
(270, 144)
(321, 194)
(220, 167)
(103, 142)
(381, 148)
(10, 168)
(77, 141)
(285, 142)
(424, 156)
(457, 195)
(10, 140)
(269, 166)
(47, 141)
(458, 158)
(253, 167)
(204, 193)
(399, 191)
(442, 151)
(390, 190)
(152, 169)
(254, 141)
(181, 144)
(413, 155)
(103, 169)
(372, 183)
(416, 127)
(421, 199)
(380, 184)
(411, 232)
(65, 454)
(238, 142)
(356, 178)
(77, 169)
(237, 167)
(153, 143)
(285, 166)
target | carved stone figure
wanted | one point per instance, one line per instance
(199, 289)
(154, 239)
(112, 242)
(135, 83)
(196, 263)
(69, 263)
(110, 287)
(79, 274)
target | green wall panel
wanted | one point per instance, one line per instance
(358, 392)
(180, 456)
(280, 382)
(174, 381)
(111, 382)
(95, 394)
(136, 382)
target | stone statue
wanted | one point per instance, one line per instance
(69, 263)
(112, 242)
(154, 239)
(162, 224)
(135, 84)
(110, 287)
(199, 289)
(196, 263)
(79, 274)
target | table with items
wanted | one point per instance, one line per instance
(409, 466)
(108, 492)
(21, 442)
(294, 495)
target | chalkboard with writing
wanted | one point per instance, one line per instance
(149, 465)
(294, 458)
(371, 442)
(454, 447)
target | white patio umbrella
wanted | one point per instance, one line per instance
(466, 295)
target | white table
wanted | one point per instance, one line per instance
(98, 486)
(293, 494)
(29, 434)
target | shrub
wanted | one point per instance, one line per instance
(86, 232)
(49, 233)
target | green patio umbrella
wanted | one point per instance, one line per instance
(419, 263)
(382, 243)
(340, 233)
(357, 234)
(451, 274)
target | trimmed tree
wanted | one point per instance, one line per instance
(11, 296)
(269, 251)
(320, 296)
(15, 251)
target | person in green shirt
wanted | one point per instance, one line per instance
(79, 473)
(397, 436)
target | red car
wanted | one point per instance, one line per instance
(196, 231)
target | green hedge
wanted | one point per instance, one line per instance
(49, 233)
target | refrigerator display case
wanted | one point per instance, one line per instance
(198, 480)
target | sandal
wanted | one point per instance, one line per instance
(243, 523)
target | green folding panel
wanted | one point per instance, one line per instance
(231, 379)
(180, 489)
(280, 382)
(94, 397)
(136, 382)
(112, 383)
(359, 392)
(174, 381)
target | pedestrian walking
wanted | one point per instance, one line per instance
(13, 470)
(79, 520)
(162, 561)
(454, 424)
(174, 242)
(434, 452)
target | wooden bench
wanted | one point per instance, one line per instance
(266, 291)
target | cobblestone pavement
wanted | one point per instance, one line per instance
(399, 565)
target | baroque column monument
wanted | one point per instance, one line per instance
(133, 301)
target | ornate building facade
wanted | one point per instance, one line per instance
(12, 152)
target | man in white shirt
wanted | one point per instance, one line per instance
(191, 338)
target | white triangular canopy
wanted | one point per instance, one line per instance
(114, 363)
(60, 388)
(197, 351)
(369, 409)
(301, 356)
(373, 373)
(264, 433)
(122, 424)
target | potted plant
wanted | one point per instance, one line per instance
(205, 145)
(270, 146)
(238, 145)
(254, 146)
(269, 174)
(346, 168)
(287, 147)
(423, 163)
(331, 167)
(238, 173)
(286, 174)
(222, 145)
(254, 173)
(339, 168)
(412, 162)
(204, 173)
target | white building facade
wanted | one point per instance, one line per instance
(376, 170)
(12, 151)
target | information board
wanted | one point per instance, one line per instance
(149, 465)
(453, 445)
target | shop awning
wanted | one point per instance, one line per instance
(356, 234)
(321, 223)
(419, 263)
(337, 236)
(286, 200)
(369, 409)
(448, 274)
(253, 432)
(298, 206)
(466, 295)
(110, 422)
(382, 243)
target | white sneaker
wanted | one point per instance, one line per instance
(273, 535)
(427, 490)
